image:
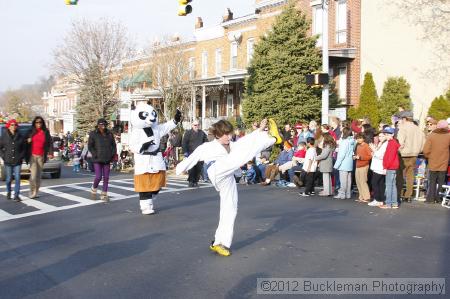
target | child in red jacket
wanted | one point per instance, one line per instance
(391, 163)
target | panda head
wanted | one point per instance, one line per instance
(144, 116)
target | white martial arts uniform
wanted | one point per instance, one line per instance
(221, 174)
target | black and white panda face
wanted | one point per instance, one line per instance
(144, 116)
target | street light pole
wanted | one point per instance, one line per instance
(325, 66)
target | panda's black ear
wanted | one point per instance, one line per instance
(149, 102)
(133, 106)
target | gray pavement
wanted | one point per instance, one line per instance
(112, 251)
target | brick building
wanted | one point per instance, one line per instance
(218, 56)
(59, 106)
(221, 54)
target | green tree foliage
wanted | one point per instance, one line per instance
(440, 107)
(17, 107)
(395, 94)
(368, 102)
(95, 101)
(276, 84)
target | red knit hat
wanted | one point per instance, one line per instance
(11, 121)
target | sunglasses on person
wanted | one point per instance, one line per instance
(13, 125)
(38, 122)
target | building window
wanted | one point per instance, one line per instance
(341, 21)
(215, 108)
(191, 68)
(234, 55)
(204, 65)
(342, 71)
(159, 76)
(317, 23)
(229, 105)
(250, 49)
(218, 61)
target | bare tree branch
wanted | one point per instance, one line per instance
(171, 72)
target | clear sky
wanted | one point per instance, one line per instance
(31, 29)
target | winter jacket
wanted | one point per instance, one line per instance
(175, 140)
(101, 146)
(284, 157)
(364, 153)
(436, 150)
(411, 140)
(303, 136)
(344, 160)
(12, 148)
(337, 132)
(326, 159)
(391, 160)
(377, 159)
(192, 139)
(47, 145)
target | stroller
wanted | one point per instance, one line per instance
(125, 161)
(446, 196)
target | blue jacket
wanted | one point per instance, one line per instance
(303, 136)
(285, 156)
(344, 160)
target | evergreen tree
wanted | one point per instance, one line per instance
(368, 102)
(440, 107)
(395, 94)
(95, 101)
(276, 83)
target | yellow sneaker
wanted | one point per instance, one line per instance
(273, 131)
(220, 249)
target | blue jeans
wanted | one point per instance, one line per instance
(10, 171)
(391, 188)
(205, 170)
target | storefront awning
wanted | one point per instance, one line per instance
(138, 78)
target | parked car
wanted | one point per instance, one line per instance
(52, 166)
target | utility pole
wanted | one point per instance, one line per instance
(325, 66)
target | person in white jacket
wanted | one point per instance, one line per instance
(226, 158)
(379, 173)
(149, 166)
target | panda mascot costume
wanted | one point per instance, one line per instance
(149, 166)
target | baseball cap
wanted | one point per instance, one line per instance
(388, 130)
(406, 114)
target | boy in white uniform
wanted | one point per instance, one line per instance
(227, 157)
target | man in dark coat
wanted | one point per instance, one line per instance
(12, 151)
(191, 140)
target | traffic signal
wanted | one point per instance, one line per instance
(71, 2)
(184, 7)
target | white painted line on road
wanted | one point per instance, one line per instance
(38, 204)
(124, 182)
(34, 203)
(4, 215)
(68, 196)
(176, 184)
(45, 208)
(112, 195)
(121, 187)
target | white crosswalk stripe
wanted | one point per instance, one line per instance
(63, 194)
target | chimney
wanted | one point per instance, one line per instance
(228, 16)
(198, 23)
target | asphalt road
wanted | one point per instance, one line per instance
(112, 251)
